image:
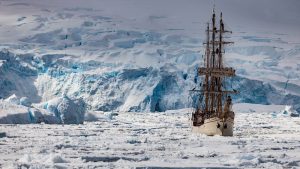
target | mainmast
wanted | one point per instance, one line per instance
(212, 79)
(219, 79)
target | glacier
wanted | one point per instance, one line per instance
(118, 87)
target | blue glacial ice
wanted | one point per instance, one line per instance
(61, 110)
(117, 89)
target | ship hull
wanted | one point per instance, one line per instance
(215, 126)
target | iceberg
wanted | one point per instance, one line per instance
(61, 110)
(289, 110)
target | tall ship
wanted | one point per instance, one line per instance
(213, 114)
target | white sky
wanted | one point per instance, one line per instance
(282, 16)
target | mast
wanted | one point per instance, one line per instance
(220, 39)
(219, 52)
(212, 79)
(207, 65)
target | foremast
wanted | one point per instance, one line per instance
(217, 101)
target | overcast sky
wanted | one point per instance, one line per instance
(283, 15)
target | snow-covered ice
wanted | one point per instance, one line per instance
(263, 138)
(62, 110)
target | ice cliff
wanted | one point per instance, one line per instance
(111, 87)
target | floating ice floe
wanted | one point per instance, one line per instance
(61, 110)
(45, 158)
(111, 115)
(289, 110)
(11, 113)
(67, 110)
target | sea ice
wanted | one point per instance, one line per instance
(153, 140)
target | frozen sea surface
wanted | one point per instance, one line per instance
(266, 138)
